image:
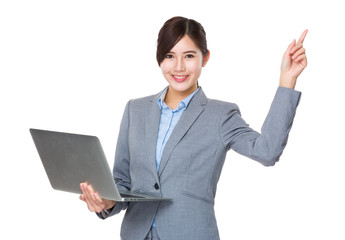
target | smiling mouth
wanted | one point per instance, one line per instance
(180, 78)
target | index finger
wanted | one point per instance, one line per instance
(301, 39)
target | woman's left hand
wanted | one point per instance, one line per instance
(293, 63)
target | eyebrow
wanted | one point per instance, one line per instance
(190, 51)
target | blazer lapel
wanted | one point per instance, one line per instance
(194, 109)
(153, 115)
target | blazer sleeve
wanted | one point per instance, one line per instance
(268, 146)
(121, 165)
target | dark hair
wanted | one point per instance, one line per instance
(173, 30)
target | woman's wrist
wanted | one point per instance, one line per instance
(110, 205)
(287, 81)
(108, 209)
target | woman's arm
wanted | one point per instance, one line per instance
(267, 146)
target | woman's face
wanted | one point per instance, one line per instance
(182, 66)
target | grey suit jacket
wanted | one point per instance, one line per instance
(191, 163)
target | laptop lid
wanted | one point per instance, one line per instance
(70, 159)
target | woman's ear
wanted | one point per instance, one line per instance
(206, 58)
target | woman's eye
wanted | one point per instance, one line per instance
(168, 56)
(189, 56)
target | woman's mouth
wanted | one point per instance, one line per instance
(180, 78)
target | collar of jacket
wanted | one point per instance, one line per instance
(192, 112)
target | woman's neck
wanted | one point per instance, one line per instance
(173, 98)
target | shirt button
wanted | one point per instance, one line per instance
(156, 186)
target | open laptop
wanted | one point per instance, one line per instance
(70, 159)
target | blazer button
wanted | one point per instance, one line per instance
(156, 186)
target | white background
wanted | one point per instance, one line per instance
(72, 66)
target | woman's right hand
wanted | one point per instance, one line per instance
(293, 63)
(93, 200)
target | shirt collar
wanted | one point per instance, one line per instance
(182, 104)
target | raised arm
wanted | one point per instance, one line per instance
(267, 146)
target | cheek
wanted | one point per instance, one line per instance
(194, 67)
(164, 68)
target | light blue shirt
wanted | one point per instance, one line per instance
(168, 121)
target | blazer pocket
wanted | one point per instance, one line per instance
(198, 180)
(203, 199)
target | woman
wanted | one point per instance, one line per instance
(173, 144)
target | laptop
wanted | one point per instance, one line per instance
(70, 159)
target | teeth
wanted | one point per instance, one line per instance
(179, 77)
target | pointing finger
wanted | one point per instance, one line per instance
(301, 39)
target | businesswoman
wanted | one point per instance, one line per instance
(173, 144)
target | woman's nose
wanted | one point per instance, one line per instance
(179, 65)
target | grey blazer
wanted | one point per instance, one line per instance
(191, 163)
